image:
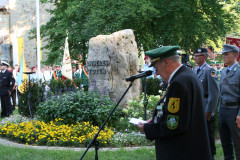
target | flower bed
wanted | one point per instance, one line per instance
(55, 133)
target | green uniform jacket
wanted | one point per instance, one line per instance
(58, 75)
(76, 75)
(84, 77)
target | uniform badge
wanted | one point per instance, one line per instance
(173, 105)
(213, 73)
(172, 121)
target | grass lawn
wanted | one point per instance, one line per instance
(13, 153)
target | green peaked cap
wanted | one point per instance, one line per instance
(58, 64)
(162, 52)
(212, 62)
(73, 65)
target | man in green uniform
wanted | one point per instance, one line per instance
(212, 64)
(219, 70)
(57, 74)
(84, 76)
(75, 74)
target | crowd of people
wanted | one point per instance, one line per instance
(9, 79)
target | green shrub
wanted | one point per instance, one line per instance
(153, 86)
(79, 106)
(39, 93)
(136, 110)
(36, 93)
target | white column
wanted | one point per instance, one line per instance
(38, 38)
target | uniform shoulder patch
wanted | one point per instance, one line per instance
(172, 122)
(173, 105)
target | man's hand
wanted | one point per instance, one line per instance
(9, 92)
(149, 121)
(208, 116)
(238, 121)
(141, 127)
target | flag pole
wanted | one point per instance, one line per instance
(38, 39)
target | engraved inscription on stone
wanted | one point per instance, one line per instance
(112, 58)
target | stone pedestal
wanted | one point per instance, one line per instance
(111, 59)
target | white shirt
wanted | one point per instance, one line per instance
(79, 71)
(3, 71)
(47, 75)
(15, 74)
(173, 73)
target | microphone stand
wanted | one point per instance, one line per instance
(29, 100)
(94, 141)
(145, 100)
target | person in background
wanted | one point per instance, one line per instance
(57, 74)
(219, 70)
(208, 78)
(28, 69)
(229, 106)
(13, 95)
(146, 66)
(79, 69)
(47, 74)
(9, 69)
(15, 71)
(41, 75)
(7, 83)
(33, 76)
(212, 64)
(50, 70)
(75, 74)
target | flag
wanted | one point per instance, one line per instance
(22, 78)
(67, 66)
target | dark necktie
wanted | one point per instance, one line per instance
(228, 71)
(198, 70)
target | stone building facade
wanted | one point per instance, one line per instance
(18, 18)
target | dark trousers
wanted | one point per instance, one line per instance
(13, 95)
(6, 106)
(211, 135)
(229, 132)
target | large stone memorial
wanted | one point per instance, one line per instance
(112, 58)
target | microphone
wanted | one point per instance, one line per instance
(140, 75)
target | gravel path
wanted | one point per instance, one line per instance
(6, 142)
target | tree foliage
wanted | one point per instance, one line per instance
(187, 23)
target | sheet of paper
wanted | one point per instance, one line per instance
(136, 121)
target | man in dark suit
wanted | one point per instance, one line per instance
(7, 83)
(178, 125)
(208, 78)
